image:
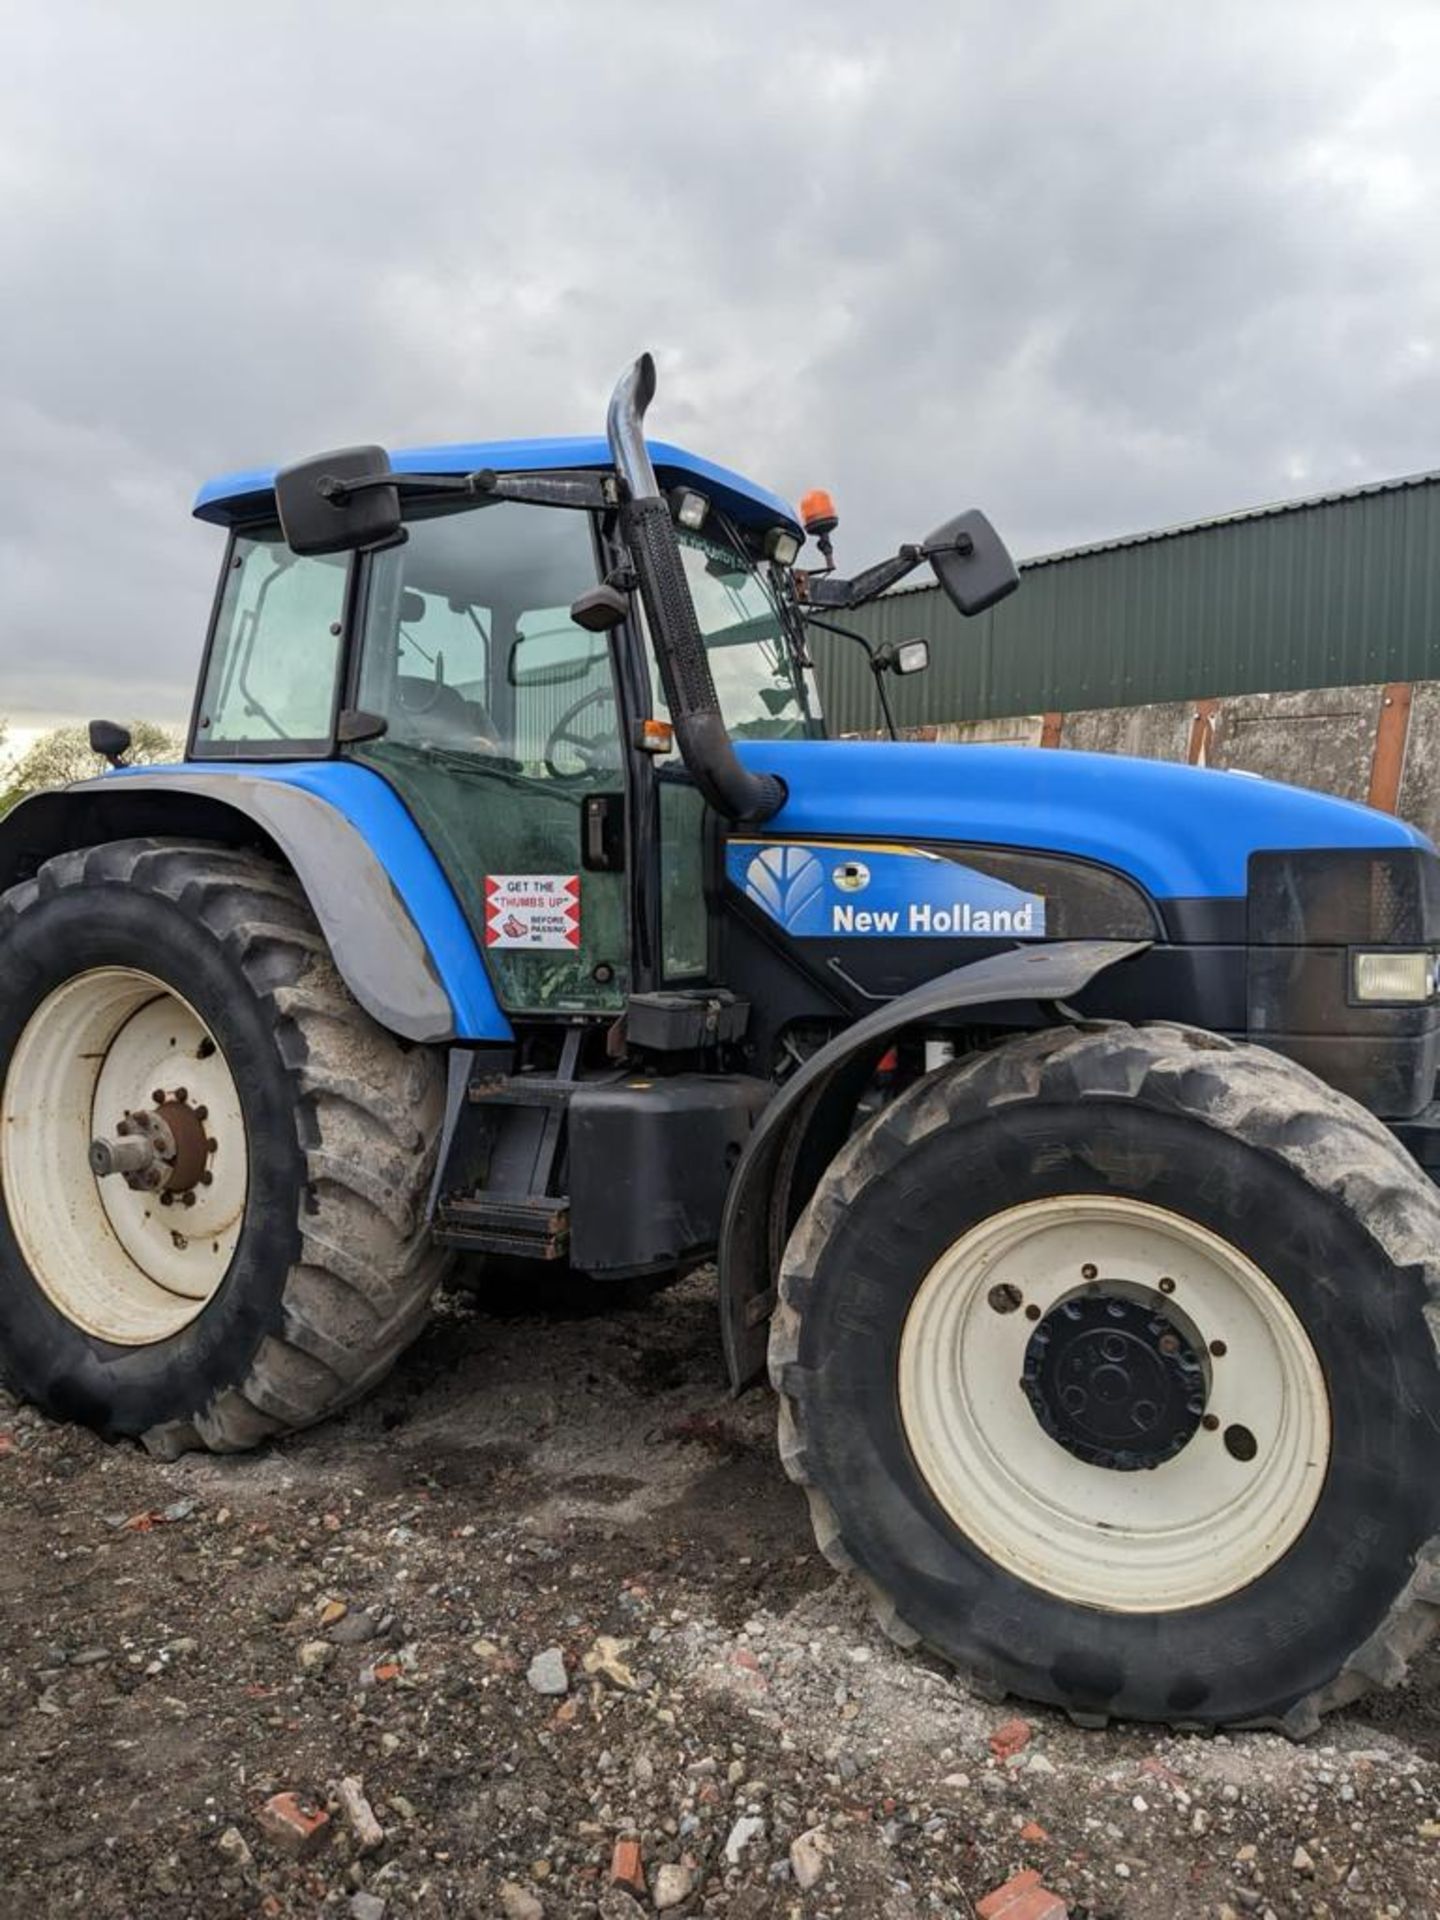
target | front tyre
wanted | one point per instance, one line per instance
(213, 1164)
(1105, 1360)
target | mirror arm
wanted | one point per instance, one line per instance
(594, 491)
(826, 590)
(829, 591)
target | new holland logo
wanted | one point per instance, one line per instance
(785, 881)
(824, 892)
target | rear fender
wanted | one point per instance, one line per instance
(808, 1122)
(393, 925)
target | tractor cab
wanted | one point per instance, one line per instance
(548, 651)
(449, 660)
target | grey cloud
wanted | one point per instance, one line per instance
(1096, 266)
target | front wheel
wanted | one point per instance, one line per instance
(1105, 1359)
(213, 1163)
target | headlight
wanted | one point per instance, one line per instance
(1409, 977)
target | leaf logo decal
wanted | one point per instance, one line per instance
(787, 882)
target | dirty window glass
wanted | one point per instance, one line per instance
(469, 646)
(270, 687)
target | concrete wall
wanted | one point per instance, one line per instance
(1376, 744)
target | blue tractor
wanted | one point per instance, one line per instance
(1062, 1125)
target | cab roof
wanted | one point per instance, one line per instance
(236, 498)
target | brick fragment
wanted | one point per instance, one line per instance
(1022, 1898)
(627, 1869)
(1009, 1737)
(295, 1824)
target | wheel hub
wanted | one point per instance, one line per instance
(123, 1155)
(160, 1149)
(1114, 1380)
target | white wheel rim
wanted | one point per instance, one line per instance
(119, 1263)
(1200, 1525)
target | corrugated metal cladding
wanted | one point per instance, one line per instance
(1336, 591)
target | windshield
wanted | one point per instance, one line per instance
(764, 694)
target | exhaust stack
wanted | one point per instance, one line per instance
(728, 786)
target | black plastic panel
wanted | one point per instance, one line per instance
(1390, 897)
(1307, 913)
(650, 1165)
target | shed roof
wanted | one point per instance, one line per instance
(1335, 589)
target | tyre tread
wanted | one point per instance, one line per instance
(1263, 1099)
(367, 1111)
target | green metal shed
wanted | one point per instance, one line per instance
(1338, 590)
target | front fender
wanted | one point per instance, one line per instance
(394, 927)
(809, 1120)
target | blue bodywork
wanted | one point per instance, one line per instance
(245, 496)
(379, 816)
(1182, 832)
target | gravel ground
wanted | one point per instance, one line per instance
(365, 1617)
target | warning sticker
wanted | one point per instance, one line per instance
(532, 910)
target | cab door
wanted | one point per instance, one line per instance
(501, 722)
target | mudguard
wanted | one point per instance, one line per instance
(396, 931)
(809, 1120)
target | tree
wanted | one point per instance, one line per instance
(63, 755)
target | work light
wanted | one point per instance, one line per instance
(781, 546)
(1396, 976)
(689, 508)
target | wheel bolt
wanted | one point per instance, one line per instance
(158, 1096)
(1167, 1285)
(212, 1146)
(1087, 1272)
(182, 1094)
(202, 1113)
(207, 1179)
(187, 1199)
(123, 1129)
(1219, 1349)
(167, 1199)
(1210, 1422)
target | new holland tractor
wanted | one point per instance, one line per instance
(1062, 1125)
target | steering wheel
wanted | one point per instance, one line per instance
(421, 696)
(586, 748)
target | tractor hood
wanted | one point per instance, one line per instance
(1181, 832)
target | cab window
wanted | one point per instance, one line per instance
(468, 643)
(271, 681)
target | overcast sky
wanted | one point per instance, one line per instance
(1096, 266)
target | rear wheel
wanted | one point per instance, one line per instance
(213, 1164)
(1105, 1359)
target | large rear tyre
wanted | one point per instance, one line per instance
(213, 1163)
(1108, 1361)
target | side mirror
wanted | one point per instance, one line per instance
(109, 741)
(600, 609)
(971, 562)
(338, 501)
